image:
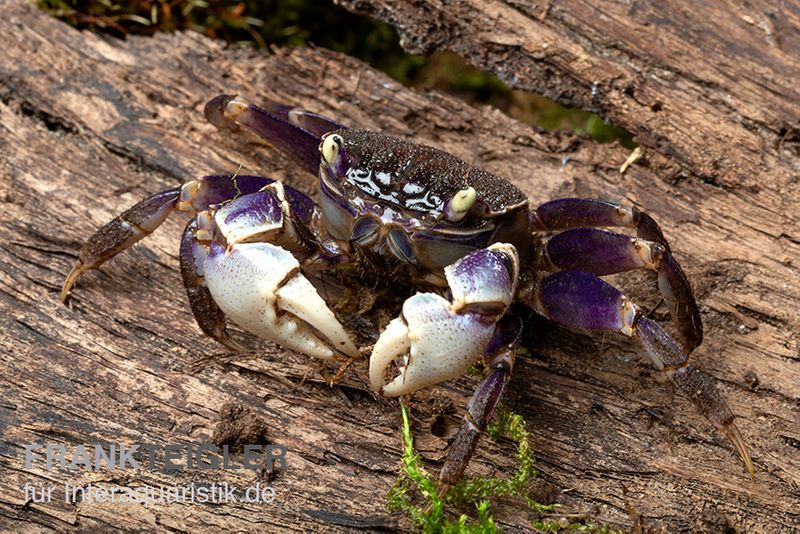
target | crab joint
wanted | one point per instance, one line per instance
(189, 192)
(205, 222)
(627, 215)
(460, 204)
(628, 314)
(650, 253)
(235, 107)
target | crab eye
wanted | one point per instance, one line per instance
(458, 206)
(330, 148)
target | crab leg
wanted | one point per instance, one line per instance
(143, 218)
(498, 357)
(317, 124)
(293, 132)
(121, 233)
(582, 300)
(566, 213)
(601, 252)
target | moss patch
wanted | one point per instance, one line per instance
(434, 513)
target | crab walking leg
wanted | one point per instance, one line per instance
(307, 120)
(581, 300)
(498, 357)
(601, 252)
(143, 218)
(121, 233)
(566, 213)
(437, 339)
(257, 283)
(197, 195)
(228, 112)
(209, 317)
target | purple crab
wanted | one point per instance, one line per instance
(425, 219)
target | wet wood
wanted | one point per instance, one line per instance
(90, 125)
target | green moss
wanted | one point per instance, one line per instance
(430, 518)
(512, 426)
(435, 513)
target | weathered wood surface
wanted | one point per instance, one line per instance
(88, 126)
(711, 87)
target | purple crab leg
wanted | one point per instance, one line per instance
(229, 112)
(566, 213)
(209, 317)
(582, 300)
(215, 189)
(602, 252)
(498, 357)
(143, 218)
(316, 124)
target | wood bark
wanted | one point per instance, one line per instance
(89, 125)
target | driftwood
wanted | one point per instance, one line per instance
(89, 125)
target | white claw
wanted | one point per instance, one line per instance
(393, 342)
(435, 340)
(298, 297)
(260, 287)
(436, 344)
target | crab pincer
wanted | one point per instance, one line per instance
(437, 339)
(259, 285)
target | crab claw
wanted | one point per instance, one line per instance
(434, 339)
(260, 287)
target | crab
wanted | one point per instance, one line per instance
(422, 218)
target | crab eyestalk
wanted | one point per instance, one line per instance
(457, 207)
(333, 153)
(329, 148)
